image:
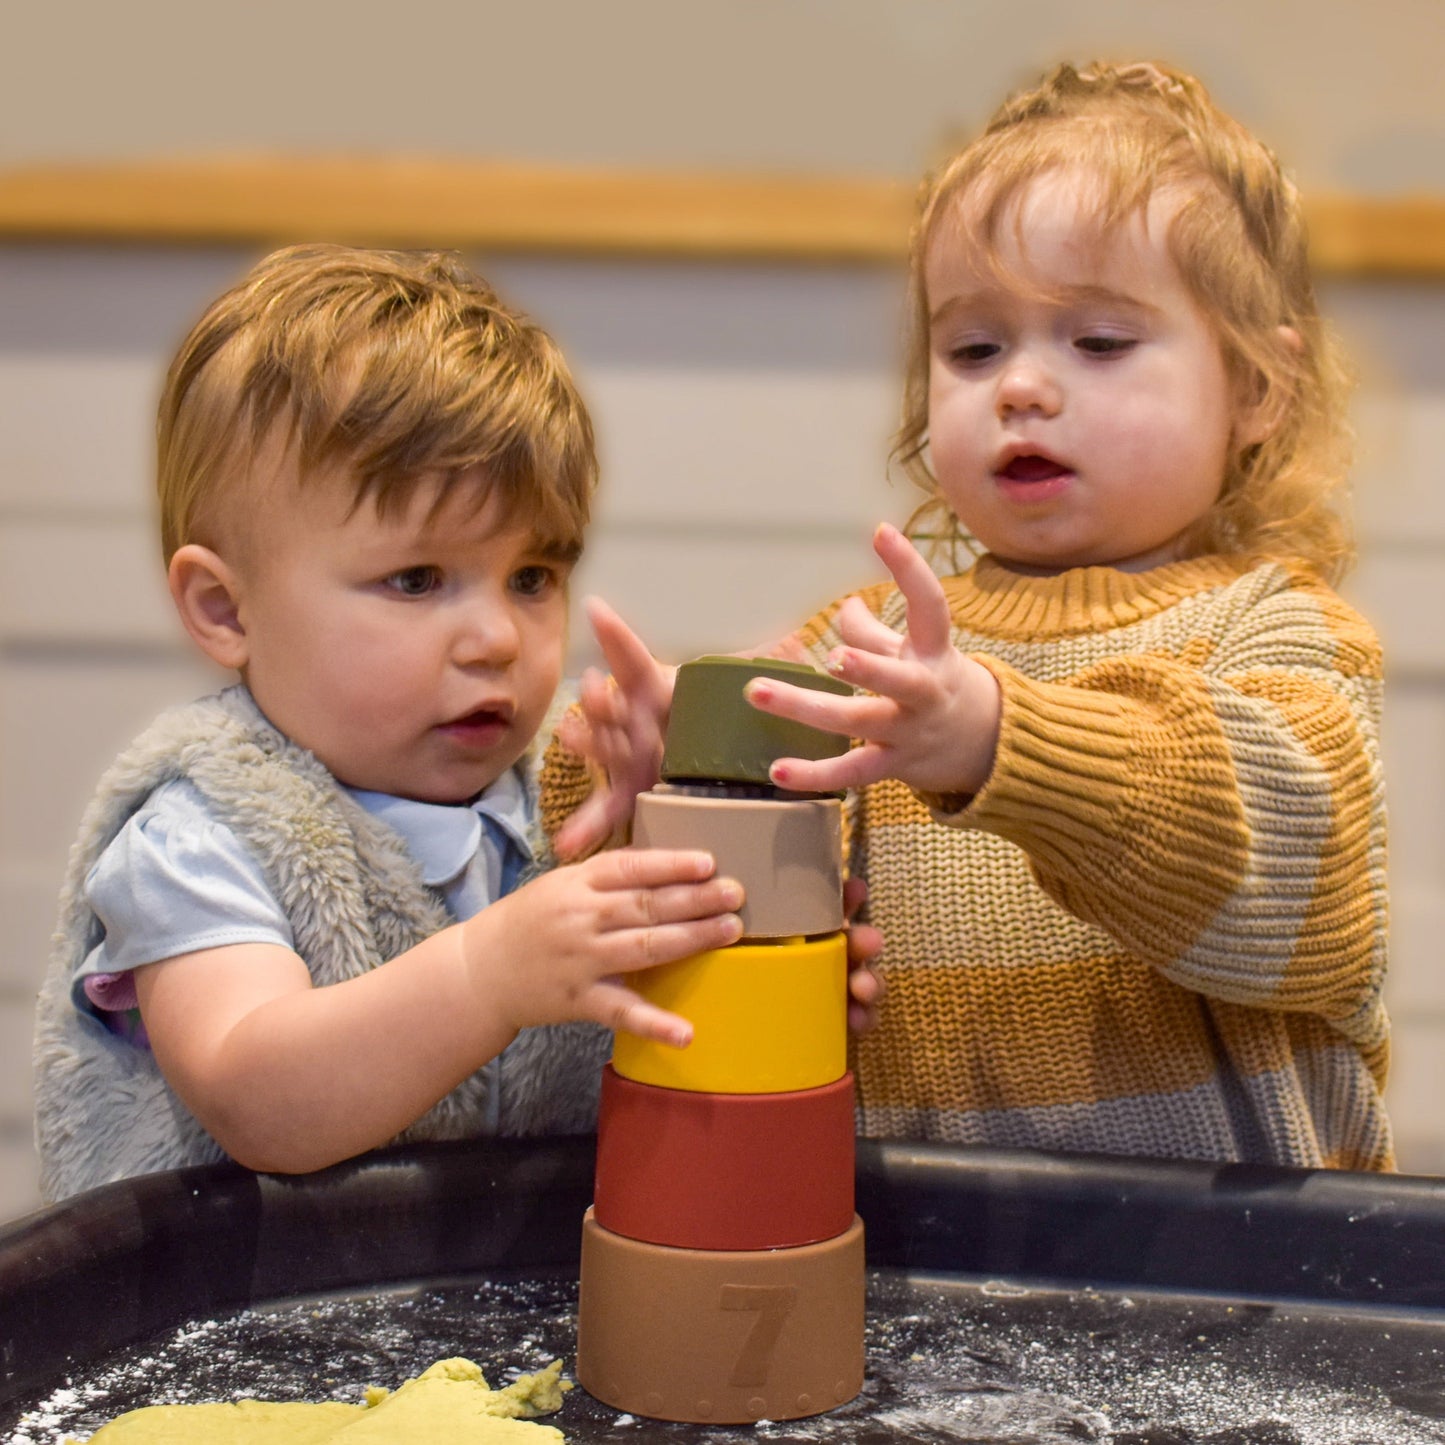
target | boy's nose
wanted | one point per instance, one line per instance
(487, 636)
(1026, 384)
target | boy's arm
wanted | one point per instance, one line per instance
(289, 1077)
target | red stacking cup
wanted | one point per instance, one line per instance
(724, 1171)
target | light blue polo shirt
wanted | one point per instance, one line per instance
(175, 879)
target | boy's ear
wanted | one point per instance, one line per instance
(207, 596)
(1259, 416)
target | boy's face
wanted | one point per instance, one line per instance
(1080, 412)
(413, 654)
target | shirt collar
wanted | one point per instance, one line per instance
(442, 838)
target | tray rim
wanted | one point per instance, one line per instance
(191, 1243)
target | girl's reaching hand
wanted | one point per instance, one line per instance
(928, 715)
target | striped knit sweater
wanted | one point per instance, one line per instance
(1160, 927)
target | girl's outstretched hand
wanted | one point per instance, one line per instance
(927, 715)
(620, 727)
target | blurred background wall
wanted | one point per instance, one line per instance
(743, 407)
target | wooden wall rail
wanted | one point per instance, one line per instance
(476, 205)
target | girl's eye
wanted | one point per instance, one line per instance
(532, 581)
(973, 353)
(415, 581)
(1105, 345)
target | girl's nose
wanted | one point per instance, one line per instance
(1027, 385)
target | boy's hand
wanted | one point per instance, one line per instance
(620, 728)
(929, 716)
(865, 943)
(555, 950)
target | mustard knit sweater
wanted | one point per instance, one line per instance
(1160, 927)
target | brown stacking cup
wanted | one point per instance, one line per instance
(788, 855)
(720, 1336)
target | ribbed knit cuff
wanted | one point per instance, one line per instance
(1060, 769)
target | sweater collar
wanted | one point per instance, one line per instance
(995, 599)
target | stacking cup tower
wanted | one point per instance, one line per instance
(722, 1261)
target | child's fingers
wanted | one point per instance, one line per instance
(929, 625)
(636, 670)
(908, 683)
(825, 710)
(649, 867)
(617, 1007)
(865, 943)
(592, 824)
(856, 768)
(859, 627)
(670, 906)
(599, 700)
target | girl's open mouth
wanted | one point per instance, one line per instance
(1032, 468)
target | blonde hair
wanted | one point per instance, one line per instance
(395, 365)
(1238, 239)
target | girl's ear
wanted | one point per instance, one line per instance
(1260, 416)
(207, 595)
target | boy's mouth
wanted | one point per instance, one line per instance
(480, 725)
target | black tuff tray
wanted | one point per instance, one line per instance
(1015, 1296)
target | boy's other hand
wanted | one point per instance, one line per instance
(926, 714)
(865, 943)
(556, 949)
(619, 726)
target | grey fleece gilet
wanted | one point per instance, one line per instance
(354, 898)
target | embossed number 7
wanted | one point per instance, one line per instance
(773, 1303)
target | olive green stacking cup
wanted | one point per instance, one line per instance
(716, 735)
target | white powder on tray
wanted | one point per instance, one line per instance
(989, 1364)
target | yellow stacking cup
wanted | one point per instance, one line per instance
(767, 1018)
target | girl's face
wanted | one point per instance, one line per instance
(1080, 413)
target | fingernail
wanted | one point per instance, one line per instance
(780, 774)
(757, 691)
(835, 661)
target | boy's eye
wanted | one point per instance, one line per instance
(415, 581)
(1105, 345)
(533, 581)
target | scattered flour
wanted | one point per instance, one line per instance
(989, 1364)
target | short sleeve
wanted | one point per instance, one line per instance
(175, 880)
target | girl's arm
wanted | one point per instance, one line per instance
(1223, 818)
(1219, 813)
(289, 1077)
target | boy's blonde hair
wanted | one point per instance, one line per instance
(393, 365)
(1238, 239)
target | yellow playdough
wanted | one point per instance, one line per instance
(450, 1402)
